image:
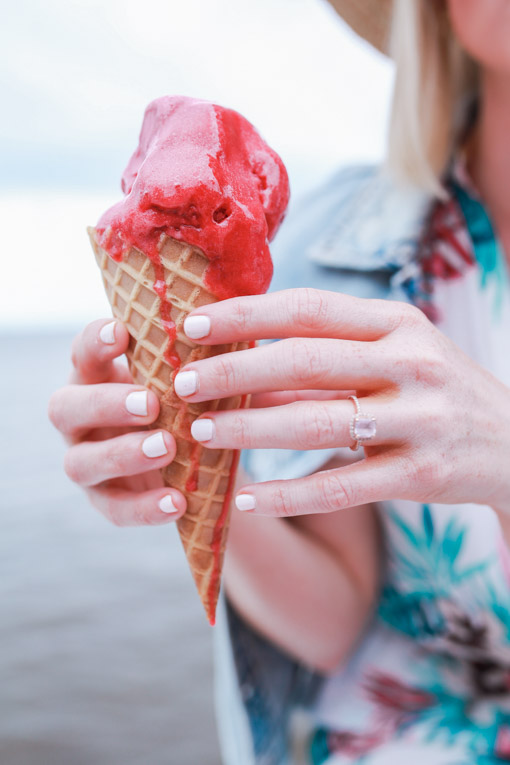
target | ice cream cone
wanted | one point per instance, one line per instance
(205, 476)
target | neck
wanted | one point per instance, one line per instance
(490, 159)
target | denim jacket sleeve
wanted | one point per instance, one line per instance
(357, 235)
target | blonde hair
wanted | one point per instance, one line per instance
(435, 83)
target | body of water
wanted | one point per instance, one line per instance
(105, 651)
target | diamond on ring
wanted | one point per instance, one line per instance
(362, 427)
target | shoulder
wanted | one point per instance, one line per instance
(360, 221)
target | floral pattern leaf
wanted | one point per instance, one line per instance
(467, 573)
(428, 525)
(414, 569)
(453, 546)
(406, 530)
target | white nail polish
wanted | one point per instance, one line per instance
(136, 403)
(107, 333)
(166, 505)
(154, 446)
(202, 430)
(245, 502)
(186, 383)
(196, 327)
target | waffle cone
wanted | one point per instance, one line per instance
(204, 476)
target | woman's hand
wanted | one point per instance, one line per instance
(104, 417)
(443, 422)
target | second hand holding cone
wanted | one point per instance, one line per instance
(172, 246)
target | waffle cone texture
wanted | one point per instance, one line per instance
(204, 476)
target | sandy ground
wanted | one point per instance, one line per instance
(105, 653)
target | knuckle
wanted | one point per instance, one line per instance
(113, 463)
(308, 308)
(282, 504)
(416, 363)
(428, 366)
(408, 317)
(304, 359)
(99, 405)
(72, 467)
(240, 431)
(111, 512)
(315, 426)
(426, 471)
(411, 469)
(334, 492)
(54, 410)
(242, 315)
(75, 351)
(226, 377)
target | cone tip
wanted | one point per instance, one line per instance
(211, 614)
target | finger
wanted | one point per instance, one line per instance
(304, 425)
(373, 479)
(292, 364)
(128, 508)
(280, 397)
(92, 462)
(76, 409)
(95, 348)
(303, 312)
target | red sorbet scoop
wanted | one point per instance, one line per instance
(201, 174)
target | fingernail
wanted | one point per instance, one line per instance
(107, 333)
(186, 383)
(166, 505)
(136, 403)
(196, 327)
(154, 446)
(202, 430)
(245, 502)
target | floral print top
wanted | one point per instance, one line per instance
(431, 681)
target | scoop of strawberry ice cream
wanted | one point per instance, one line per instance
(201, 174)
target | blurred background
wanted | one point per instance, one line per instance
(105, 652)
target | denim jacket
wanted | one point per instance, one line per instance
(359, 235)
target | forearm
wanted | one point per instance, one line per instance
(294, 590)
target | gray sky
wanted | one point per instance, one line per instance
(76, 76)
